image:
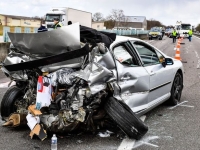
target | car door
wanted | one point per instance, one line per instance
(160, 76)
(132, 78)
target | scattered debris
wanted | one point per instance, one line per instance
(39, 131)
(15, 120)
(36, 147)
(79, 141)
(184, 61)
(105, 134)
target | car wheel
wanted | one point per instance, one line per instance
(126, 120)
(176, 90)
(149, 38)
(8, 101)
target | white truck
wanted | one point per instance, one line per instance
(66, 14)
(183, 29)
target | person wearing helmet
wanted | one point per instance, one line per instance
(57, 23)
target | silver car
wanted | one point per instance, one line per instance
(146, 76)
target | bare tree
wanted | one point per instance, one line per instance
(116, 15)
(152, 23)
(97, 16)
(198, 27)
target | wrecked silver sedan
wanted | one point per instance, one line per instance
(76, 77)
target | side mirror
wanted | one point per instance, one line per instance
(167, 61)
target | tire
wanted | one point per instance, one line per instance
(8, 100)
(150, 38)
(176, 89)
(124, 117)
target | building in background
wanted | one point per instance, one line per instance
(18, 24)
(132, 22)
(19, 21)
(98, 25)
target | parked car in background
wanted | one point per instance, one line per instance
(169, 33)
(155, 33)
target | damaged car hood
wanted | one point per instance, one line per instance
(48, 43)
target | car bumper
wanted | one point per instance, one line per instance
(155, 36)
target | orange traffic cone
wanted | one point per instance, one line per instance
(178, 46)
(178, 54)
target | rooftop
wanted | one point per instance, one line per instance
(20, 17)
(98, 21)
(134, 18)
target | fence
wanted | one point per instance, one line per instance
(128, 32)
(7, 29)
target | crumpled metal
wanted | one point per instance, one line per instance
(48, 43)
(62, 76)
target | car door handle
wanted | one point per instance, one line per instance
(152, 73)
(125, 78)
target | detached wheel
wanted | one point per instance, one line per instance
(8, 101)
(124, 117)
(176, 90)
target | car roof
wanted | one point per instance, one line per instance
(123, 39)
(120, 39)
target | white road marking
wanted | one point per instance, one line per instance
(5, 85)
(187, 106)
(128, 144)
(146, 141)
(150, 144)
(198, 63)
(178, 104)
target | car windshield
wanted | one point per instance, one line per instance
(155, 29)
(50, 17)
(185, 27)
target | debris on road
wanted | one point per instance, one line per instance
(79, 141)
(107, 133)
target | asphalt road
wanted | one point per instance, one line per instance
(170, 128)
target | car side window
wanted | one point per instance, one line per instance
(123, 56)
(160, 57)
(147, 53)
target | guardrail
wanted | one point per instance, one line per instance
(128, 32)
(197, 34)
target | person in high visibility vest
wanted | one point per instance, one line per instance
(57, 23)
(190, 35)
(174, 34)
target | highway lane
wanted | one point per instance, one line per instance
(175, 128)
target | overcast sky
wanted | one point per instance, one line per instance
(166, 11)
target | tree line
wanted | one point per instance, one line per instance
(198, 28)
(117, 18)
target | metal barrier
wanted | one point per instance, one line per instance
(127, 32)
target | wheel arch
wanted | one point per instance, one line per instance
(180, 72)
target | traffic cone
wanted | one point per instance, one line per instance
(178, 54)
(181, 38)
(178, 46)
